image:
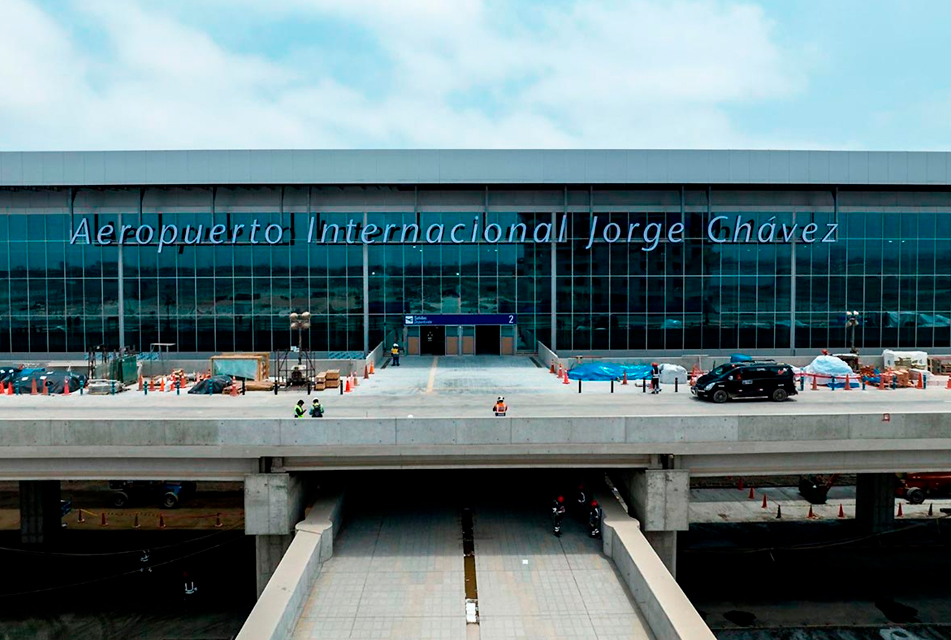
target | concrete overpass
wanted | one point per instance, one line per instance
(429, 418)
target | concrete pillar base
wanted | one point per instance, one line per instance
(875, 501)
(268, 551)
(40, 511)
(664, 544)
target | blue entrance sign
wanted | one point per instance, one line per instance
(461, 318)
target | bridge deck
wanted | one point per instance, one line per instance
(464, 387)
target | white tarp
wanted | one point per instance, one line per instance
(829, 366)
(918, 358)
(671, 372)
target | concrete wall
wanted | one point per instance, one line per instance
(704, 444)
(273, 503)
(659, 498)
(666, 609)
(276, 613)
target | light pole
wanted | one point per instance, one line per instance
(852, 321)
(300, 321)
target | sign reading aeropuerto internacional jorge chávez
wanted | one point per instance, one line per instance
(721, 229)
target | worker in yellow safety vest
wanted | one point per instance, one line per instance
(395, 352)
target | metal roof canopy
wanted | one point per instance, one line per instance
(473, 167)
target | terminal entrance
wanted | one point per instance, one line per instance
(432, 341)
(451, 335)
(488, 340)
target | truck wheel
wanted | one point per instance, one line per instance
(779, 395)
(120, 499)
(169, 500)
(915, 495)
(720, 396)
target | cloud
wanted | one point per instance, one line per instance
(467, 73)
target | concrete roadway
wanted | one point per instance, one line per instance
(466, 386)
(397, 568)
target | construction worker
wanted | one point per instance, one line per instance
(190, 588)
(299, 409)
(500, 407)
(655, 378)
(581, 499)
(395, 353)
(595, 516)
(316, 409)
(558, 514)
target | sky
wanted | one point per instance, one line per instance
(705, 74)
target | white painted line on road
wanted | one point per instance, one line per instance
(432, 375)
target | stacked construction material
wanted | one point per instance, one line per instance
(331, 378)
(320, 381)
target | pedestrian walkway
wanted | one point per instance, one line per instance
(394, 575)
(534, 586)
(400, 574)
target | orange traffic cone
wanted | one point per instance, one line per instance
(161, 521)
(624, 382)
(811, 514)
(346, 388)
(561, 371)
(218, 521)
(946, 387)
(10, 388)
(366, 372)
(152, 384)
(46, 388)
(103, 522)
(372, 371)
(162, 385)
(764, 501)
(80, 519)
(565, 379)
(752, 494)
(552, 369)
(3, 388)
(900, 512)
(815, 383)
(234, 388)
(66, 387)
(32, 386)
(848, 384)
(920, 381)
(355, 379)
(135, 525)
(841, 511)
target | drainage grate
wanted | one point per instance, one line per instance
(468, 561)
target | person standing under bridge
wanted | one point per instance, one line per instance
(558, 514)
(595, 516)
(655, 378)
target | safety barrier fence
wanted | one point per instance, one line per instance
(156, 519)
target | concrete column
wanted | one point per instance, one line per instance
(40, 515)
(875, 501)
(659, 499)
(273, 504)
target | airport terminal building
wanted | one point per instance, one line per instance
(458, 252)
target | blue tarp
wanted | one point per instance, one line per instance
(740, 357)
(606, 371)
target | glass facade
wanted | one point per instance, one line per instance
(885, 256)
